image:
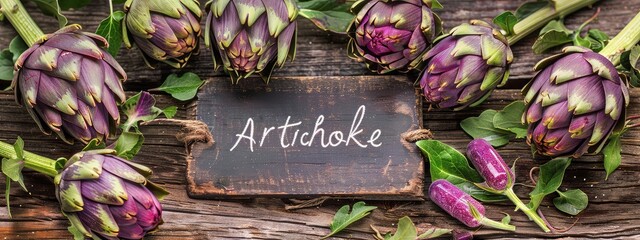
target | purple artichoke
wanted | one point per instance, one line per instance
(70, 85)
(251, 36)
(574, 103)
(392, 35)
(107, 197)
(165, 30)
(464, 67)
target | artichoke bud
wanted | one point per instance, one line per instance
(574, 103)
(392, 35)
(107, 197)
(248, 36)
(70, 85)
(164, 30)
(465, 66)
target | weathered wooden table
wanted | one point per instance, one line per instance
(614, 205)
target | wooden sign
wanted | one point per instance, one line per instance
(308, 137)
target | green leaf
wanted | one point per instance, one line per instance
(629, 63)
(611, 152)
(75, 4)
(77, 235)
(129, 144)
(598, 35)
(111, 29)
(141, 108)
(509, 119)
(447, 163)
(571, 202)
(183, 87)
(170, 112)
(406, 230)
(480, 194)
(60, 162)
(9, 56)
(344, 218)
(549, 179)
(436, 5)
(506, 21)
(434, 233)
(528, 8)
(550, 39)
(94, 144)
(506, 219)
(482, 127)
(12, 167)
(557, 25)
(51, 8)
(333, 21)
(17, 46)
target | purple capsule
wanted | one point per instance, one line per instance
(490, 165)
(455, 202)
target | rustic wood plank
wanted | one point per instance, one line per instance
(612, 210)
(324, 54)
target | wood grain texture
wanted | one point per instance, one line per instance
(613, 208)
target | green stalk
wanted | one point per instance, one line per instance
(498, 225)
(32, 161)
(627, 38)
(525, 209)
(21, 21)
(539, 18)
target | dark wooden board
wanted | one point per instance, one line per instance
(342, 138)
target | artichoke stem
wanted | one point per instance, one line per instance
(21, 21)
(539, 18)
(524, 208)
(625, 40)
(32, 161)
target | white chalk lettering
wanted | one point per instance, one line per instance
(306, 138)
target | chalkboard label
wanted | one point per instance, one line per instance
(307, 137)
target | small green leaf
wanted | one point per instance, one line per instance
(332, 21)
(51, 8)
(550, 39)
(482, 127)
(344, 218)
(629, 63)
(549, 180)
(141, 108)
(612, 156)
(506, 21)
(434, 233)
(94, 144)
(17, 46)
(528, 8)
(506, 219)
(60, 162)
(18, 147)
(129, 144)
(445, 162)
(557, 25)
(436, 5)
(509, 119)
(77, 235)
(111, 29)
(598, 35)
(480, 194)
(170, 112)
(580, 41)
(571, 202)
(183, 88)
(406, 230)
